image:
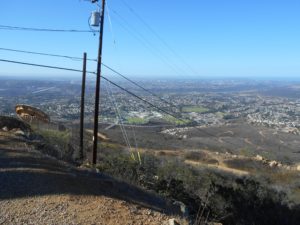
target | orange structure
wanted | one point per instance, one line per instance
(31, 114)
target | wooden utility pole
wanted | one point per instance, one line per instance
(82, 106)
(97, 94)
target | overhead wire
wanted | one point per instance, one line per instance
(103, 77)
(147, 44)
(120, 87)
(95, 60)
(162, 110)
(126, 78)
(77, 58)
(17, 28)
(140, 98)
(158, 36)
(121, 122)
(138, 85)
(44, 66)
(45, 54)
(110, 23)
(118, 114)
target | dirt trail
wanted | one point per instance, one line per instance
(37, 189)
(218, 167)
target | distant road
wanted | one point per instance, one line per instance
(111, 125)
(46, 89)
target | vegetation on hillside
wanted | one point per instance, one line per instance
(221, 196)
(196, 109)
(136, 120)
(206, 193)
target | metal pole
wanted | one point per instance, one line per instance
(82, 106)
(97, 94)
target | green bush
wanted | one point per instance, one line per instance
(55, 143)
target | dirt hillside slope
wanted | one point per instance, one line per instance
(37, 189)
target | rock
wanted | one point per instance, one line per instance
(19, 132)
(183, 208)
(172, 222)
(11, 123)
(273, 163)
(149, 212)
(155, 177)
(5, 129)
(259, 157)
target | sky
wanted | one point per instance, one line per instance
(159, 38)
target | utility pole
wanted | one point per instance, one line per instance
(97, 94)
(82, 106)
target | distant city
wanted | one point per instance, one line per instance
(198, 102)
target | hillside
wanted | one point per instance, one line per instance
(200, 184)
(38, 189)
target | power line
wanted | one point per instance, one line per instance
(162, 110)
(140, 37)
(45, 54)
(140, 98)
(118, 114)
(136, 84)
(158, 36)
(111, 82)
(16, 28)
(118, 86)
(106, 66)
(44, 66)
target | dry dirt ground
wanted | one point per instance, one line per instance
(37, 189)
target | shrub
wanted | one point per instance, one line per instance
(246, 164)
(251, 202)
(200, 156)
(55, 143)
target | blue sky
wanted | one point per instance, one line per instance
(249, 38)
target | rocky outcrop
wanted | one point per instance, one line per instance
(11, 123)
